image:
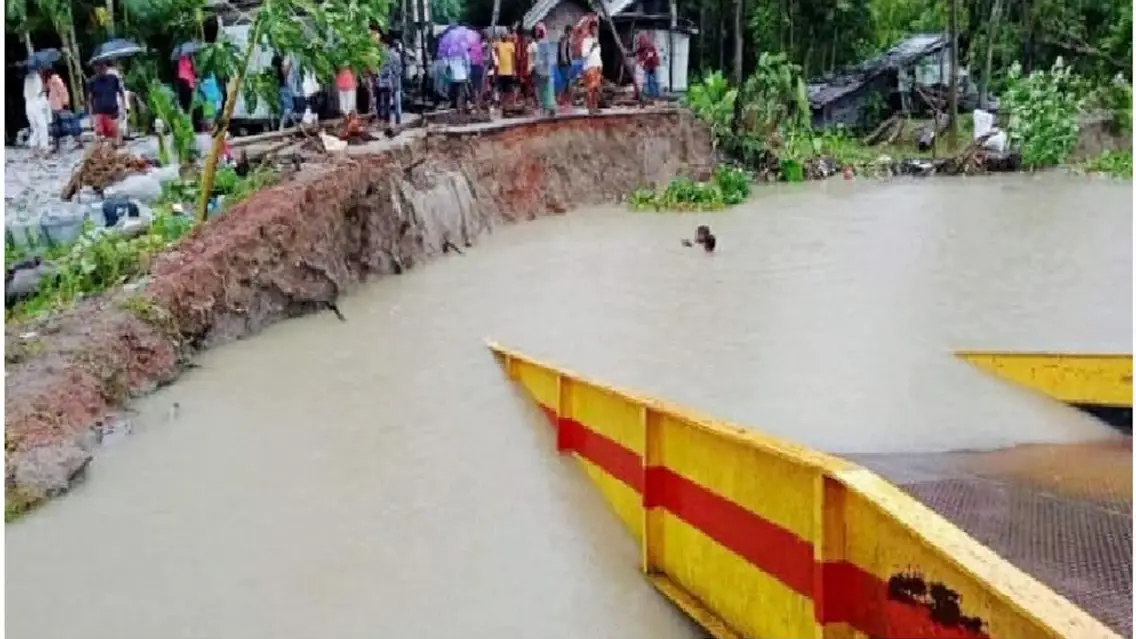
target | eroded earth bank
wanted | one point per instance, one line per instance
(297, 247)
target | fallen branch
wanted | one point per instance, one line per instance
(876, 135)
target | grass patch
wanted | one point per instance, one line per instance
(1117, 164)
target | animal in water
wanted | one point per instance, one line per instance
(704, 237)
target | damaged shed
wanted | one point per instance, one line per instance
(903, 79)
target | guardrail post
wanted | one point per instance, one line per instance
(652, 549)
(828, 553)
(564, 443)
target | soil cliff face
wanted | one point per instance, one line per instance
(297, 247)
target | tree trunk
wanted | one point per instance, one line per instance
(1027, 36)
(110, 17)
(209, 172)
(701, 64)
(952, 88)
(671, 53)
(835, 39)
(721, 34)
(495, 17)
(739, 40)
(65, 28)
(599, 7)
(28, 44)
(991, 38)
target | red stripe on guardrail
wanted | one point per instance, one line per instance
(850, 594)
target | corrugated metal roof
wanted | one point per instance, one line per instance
(543, 7)
(822, 92)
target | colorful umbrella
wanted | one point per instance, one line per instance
(457, 42)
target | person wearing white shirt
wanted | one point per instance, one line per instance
(593, 65)
(38, 110)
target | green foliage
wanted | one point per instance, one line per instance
(733, 183)
(774, 96)
(447, 11)
(1043, 109)
(97, 261)
(773, 121)
(728, 187)
(100, 260)
(163, 104)
(1114, 163)
(712, 100)
(1114, 97)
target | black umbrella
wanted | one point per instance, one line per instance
(42, 59)
(186, 48)
(114, 49)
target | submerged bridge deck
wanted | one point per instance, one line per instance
(1061, 513)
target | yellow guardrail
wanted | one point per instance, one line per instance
(1075, 378)
(753, 536)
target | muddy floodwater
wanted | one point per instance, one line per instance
(380, 478)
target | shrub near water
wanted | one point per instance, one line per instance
(1043, 110)
(728, 187)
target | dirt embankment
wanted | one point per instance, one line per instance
(297, 247)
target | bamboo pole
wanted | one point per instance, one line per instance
(209, 172)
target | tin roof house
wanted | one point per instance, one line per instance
(893, 79)
(630, 17)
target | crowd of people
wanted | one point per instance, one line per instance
(511, 69)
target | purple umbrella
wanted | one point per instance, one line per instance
(457, 42)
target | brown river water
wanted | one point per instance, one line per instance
(381, 478)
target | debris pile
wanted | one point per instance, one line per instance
(103, 166)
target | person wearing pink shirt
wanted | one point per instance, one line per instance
(477, 72)
(346, 84)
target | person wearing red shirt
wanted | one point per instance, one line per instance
(648, 58)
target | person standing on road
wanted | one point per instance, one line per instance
(347, 86)
(477, 71)
(593, 66)
(104, 92)
(387, 80)
(457, 75)
(38, 110)
(648, 57)
(63, 122)
(506, 53)
(564, 66)
(543, 55)
(280, 67)
(524, 64)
